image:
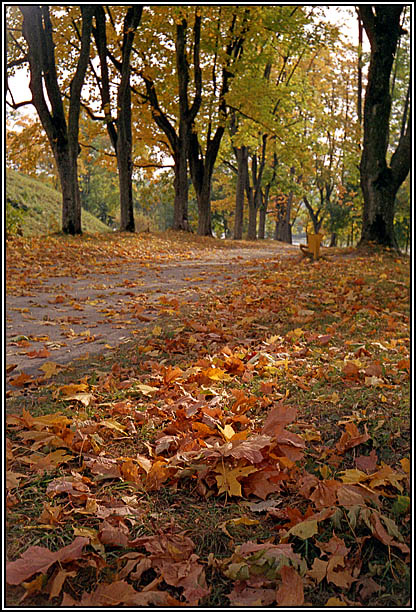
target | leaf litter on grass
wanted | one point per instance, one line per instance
(289, 391)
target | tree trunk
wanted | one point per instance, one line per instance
(71, 201)
(204, 208)
(180, 202)
(379, 182)
(252, 216)
(62, 133)
(242, 157)
(262, 223)
(283, 228)
(124, 130)
(180, 205)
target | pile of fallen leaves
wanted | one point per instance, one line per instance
(253, 453)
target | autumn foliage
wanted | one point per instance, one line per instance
(269, 406)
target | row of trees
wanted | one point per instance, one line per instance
(263, 101)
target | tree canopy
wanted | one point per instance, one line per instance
(270, 93)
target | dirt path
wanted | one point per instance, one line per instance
(69, 318)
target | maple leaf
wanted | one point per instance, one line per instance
(113, 536)
(21, 380)
(351, 437)
(277, 418)
(263, 482)
(227, 479)
(251, 597)
(39, 559)
(249, 449)
(47, 462)
(290, 593)
(367, 463)
(58, 581)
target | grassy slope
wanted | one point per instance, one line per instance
(41, 207)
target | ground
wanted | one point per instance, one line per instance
(238, 433)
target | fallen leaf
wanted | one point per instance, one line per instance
(305, 529)
(39, 559)
(227, 479)
(290, 593)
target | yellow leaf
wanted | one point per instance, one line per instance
(325, 471)
(353, 475)
(92, 534)
(227, 479)
(146, 389)
(217, 374)
(304, 530)
(68, 390)
(243, 520)
(157, 330)
(405, 463)
(84, 398)
(228, 432)
(50, 368)
(335, 602)
(112, 424)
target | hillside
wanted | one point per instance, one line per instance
(35, 208)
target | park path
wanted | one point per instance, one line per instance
(69, 318)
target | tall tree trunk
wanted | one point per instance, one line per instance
(380, 182)
(283, 228)
(241, 154)
(180, 206)
(252, 216)
(124, 129)
(360, 71)
(204, 207)
(62, 133)
(263, 211)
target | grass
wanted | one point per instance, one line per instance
(35, 209)
(318, 326)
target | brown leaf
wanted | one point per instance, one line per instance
(367, 463)
(21, 380)
(351, 437)
(277, 418)
(249, 449)
(350, 370)
(290, 593)
(337, 575)
(318, 570)
(250, 597)
(56, 584)
(262, 483)
(381, 534)
(38, 559)
(113, 536)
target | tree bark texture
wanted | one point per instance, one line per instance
(241, 154)
(379, 181)
(62, 133)
(283, 228)
(124, 130)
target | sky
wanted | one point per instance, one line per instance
(337, 14)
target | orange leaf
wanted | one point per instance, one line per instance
(21, 380)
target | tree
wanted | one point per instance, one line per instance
(381, 180)
(48, 100)
(178, 137)
(202, 159)
(120, 129)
